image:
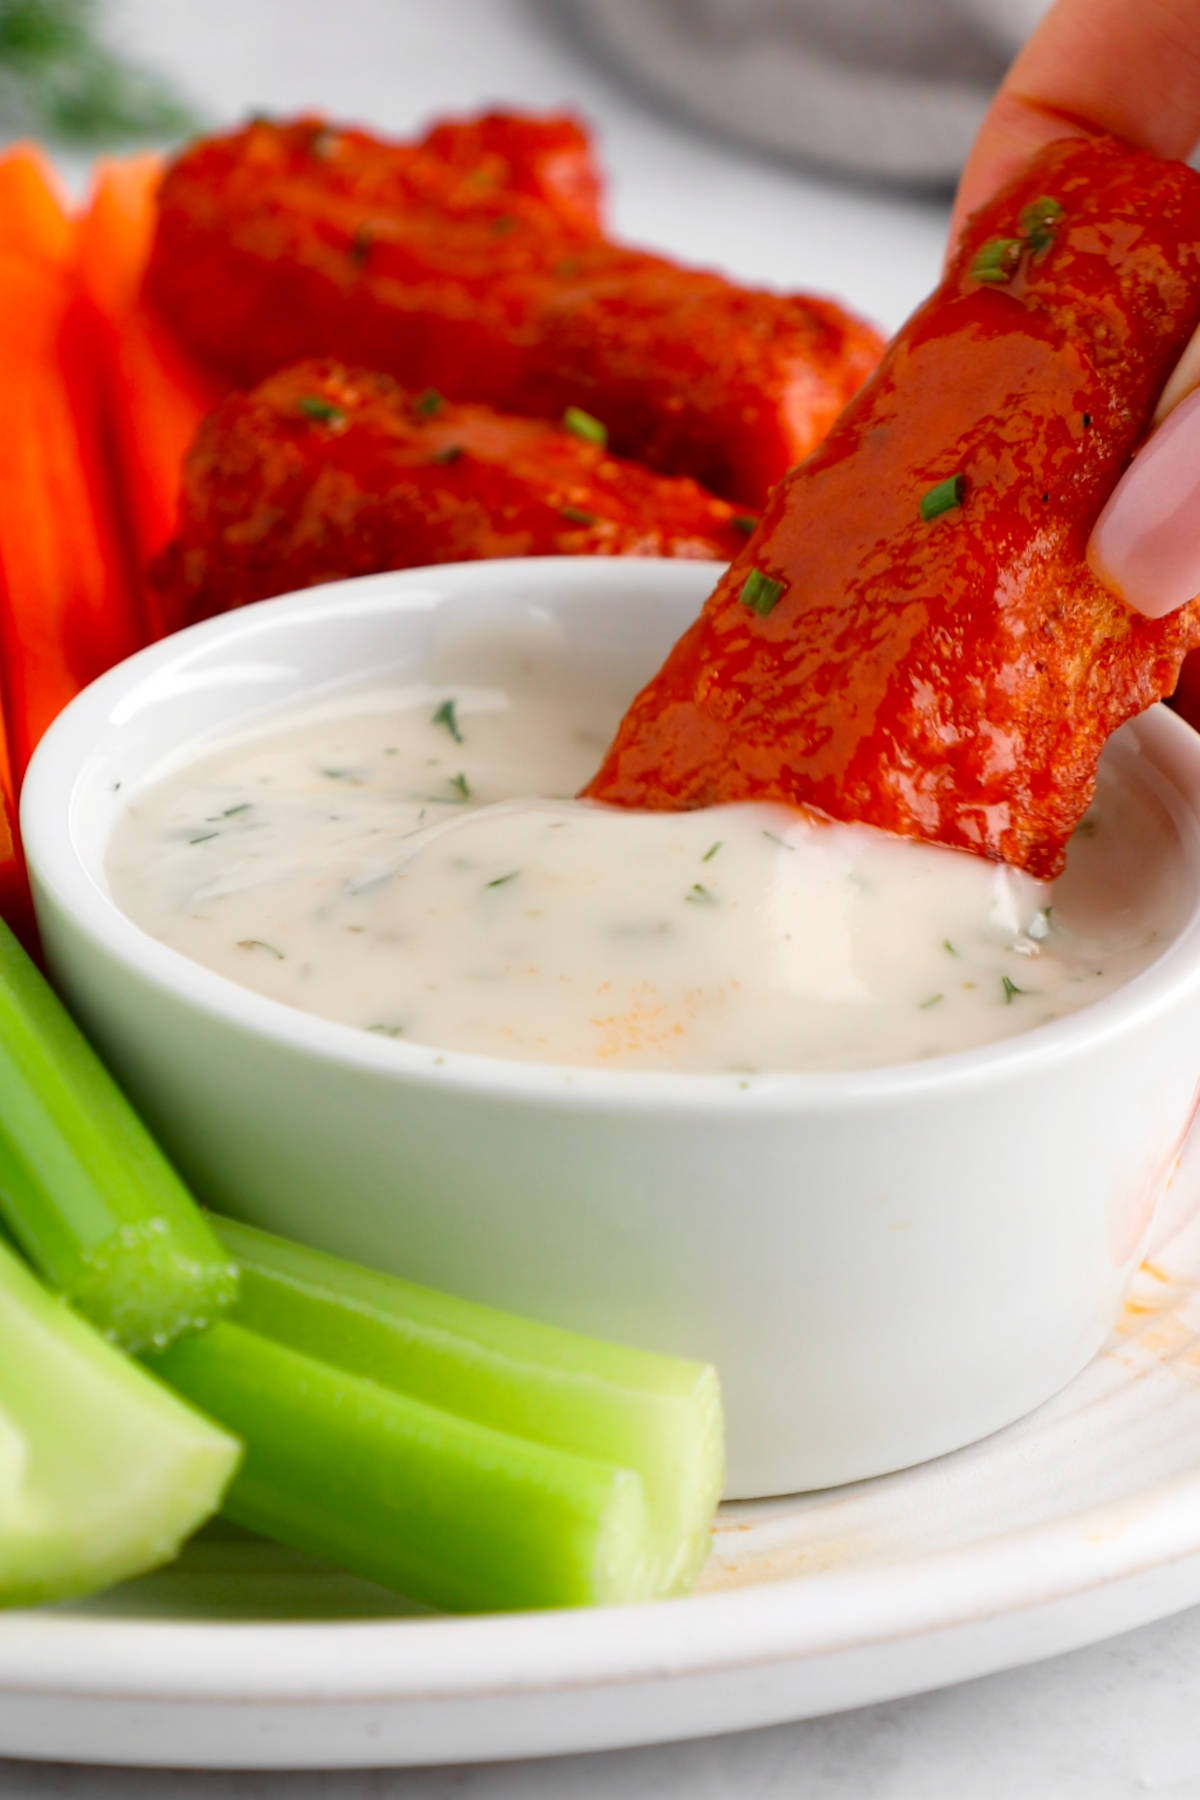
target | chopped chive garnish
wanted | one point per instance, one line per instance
(932, 1001)
(1038, 221)
(204, 837)
(997, 260)
(445, 715)
(761, 593)
(712, 850)
(943, 497)
(577, 515)
(948, 947)
(460, 782)
(583, 425)
(231, 812)
(503, 224)
(322, 143)
(699, 895)
(744, 522)
(570, 265)
(257, 944)
(1010, 988)
(1045, 211)
(323, 411)
(449, 453)
(776, 839)
(503, 880)
(341, 775)
(387, 1030)
(428, 403)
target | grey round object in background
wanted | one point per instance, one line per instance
(891, 89)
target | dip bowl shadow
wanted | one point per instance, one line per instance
(884, 1265)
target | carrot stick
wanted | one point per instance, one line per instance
(16, 902)
(33, 217)
(154, 394)
(66, 612)
(34, 226)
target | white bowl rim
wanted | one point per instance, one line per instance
(57, 866)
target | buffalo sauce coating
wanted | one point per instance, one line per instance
(549, 156)
(953, 677)
(324, 472)
(278, 243)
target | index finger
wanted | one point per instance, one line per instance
(1129, 67)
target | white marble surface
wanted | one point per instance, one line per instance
(1119, 1719)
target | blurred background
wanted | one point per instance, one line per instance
(800, 143)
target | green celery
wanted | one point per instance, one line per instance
(469, 1459)
(84, 1189)
(443, 1509)
(103, 1472)
(658, 1415)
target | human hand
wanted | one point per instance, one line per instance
(1132, 68)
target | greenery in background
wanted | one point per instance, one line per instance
(58, 78)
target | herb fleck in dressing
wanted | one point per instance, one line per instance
(374, 857)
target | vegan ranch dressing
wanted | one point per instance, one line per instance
(373, 857)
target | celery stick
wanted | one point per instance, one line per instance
(103, 1472)
(658, 1415)
(442, 1509)
(84, 1189)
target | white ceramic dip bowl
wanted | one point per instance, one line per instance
(884, 1265)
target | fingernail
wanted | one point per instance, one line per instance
(1146, 544)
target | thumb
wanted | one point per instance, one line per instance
(1129, 67)
(1146, 542)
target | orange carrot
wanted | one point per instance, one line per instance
(33, 217)
(34, 226)
(16, 905)
(154, 395)
(66, 612)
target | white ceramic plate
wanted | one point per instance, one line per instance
(1082, 1520)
